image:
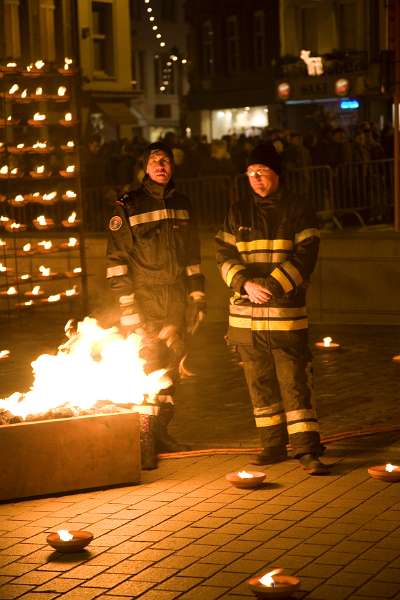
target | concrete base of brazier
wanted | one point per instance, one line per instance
(62, 455)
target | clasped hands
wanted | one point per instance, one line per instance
(257, 293)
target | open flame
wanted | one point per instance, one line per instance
(3, 268)
(71, 291)
(12, 291)
(44, 271)
(39, 117)
(267, 579)
(3, 242)
(20, 146)
(62, 90)
(39, 91)
(70, 194)
(40, 145)
(24, 94)
(45, 244)
(4, 170)
(95, 364)
(36, 290)
(67, 62)
(41, 219)
(72, 217)
(40, 169)
(244, 475)
(68, 116)
(13, 89)
(77, 270)
(65, 535)
(27, 247)
(327, 341)
(70, 144)
(54, 298)
(390, 468)
(70, 169)
(72, 242)
(4, 354)
(50, 196)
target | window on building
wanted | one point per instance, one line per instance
(309, 28)
(347, 26)
(162, 111)
(259, 38)
(168, 10)
(103, 43)
(164, 74)
(207, 49)
(232, 43)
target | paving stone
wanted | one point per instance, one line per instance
(159, 594)
(10, 591)
(16, 569)
(330, 592)
(203, 592)
(244, 565)
(336, 558)
(155, 574)
(220, 557)
(33, 578)
(201, 570)
(131, 588)
(354, 580)
(179, 584)
(82, 594)
(388, 574)
(106, 580)
(360, 565)
(85, 571)
(380, 589)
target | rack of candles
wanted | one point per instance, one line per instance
(246, 479)
(274, 584)
(42, 222)
(65, 540)
(327, 344)
(387, 472)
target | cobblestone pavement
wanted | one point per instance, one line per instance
(186, 533)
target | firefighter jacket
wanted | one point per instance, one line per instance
(273, 241)
(153, 256)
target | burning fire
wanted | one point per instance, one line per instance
(327, 341)
(65, 535)
(44, 271)
(39, 91)
(45, 244)
(27, 247)
(72, 242)
(72, 217)
(39, 117)
(61, 91)
(70, 194)
(267, 579)
(4, 354)
(244, 475)
(390, 468)
(68, 116)
(95, 364)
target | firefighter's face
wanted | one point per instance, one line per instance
(159, 167)
(263, 180)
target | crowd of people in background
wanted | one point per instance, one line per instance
(119, 163)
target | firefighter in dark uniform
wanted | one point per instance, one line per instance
(266, 253)
(153, 266)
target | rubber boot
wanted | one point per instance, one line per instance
(271, 454)
(164, 441)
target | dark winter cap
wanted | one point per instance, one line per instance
(265, 154)
(156, 147)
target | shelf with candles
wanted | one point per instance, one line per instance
(7, 173)
(71, 221)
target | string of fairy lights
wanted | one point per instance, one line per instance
(168, 59)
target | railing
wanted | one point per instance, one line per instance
(364, 189)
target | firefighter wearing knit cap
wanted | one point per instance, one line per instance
(153, 267)
(266, 253)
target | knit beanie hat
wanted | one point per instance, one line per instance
(154, 147)
(265, 154)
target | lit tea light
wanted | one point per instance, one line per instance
(396, 358)
(35, 291)
(45, 244)
(71, 292)
(13, 89)
(4, 354)
(14, 172)
(77, 270)
(12, 291)
(18, 200)
(42, 222)
(4, 219)
(65, 540)
(41, 219)
(3, 243)
(39, 169)
(246, 479)
(62, 90)
(387, 472)
(71, 144)
(24, 93)
(50, 197)
(13, 226)
(54, 298)
(274, 584)
(38, 119)
(327, 344)
(3, 268)
(25, 276)
(27, 247)
(72, 242)
(68, 120)
(4, 170)
(39, 146)
(44, 271)
(67, 69)
(33, 68)
(69, 195)
(39, 91)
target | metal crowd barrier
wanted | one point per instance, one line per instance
(362, 189)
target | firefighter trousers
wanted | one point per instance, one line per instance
(280, 388)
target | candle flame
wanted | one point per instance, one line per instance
(4, 354)
(3, 268)
(70, 168)
(19, 198)
(327, 341)
(15, 225)
(49, 196)
(38, 117)
(14, 171)
(54, 298)
(245, 475)
(40, 145)
(72, 241)
(3, 242)
(77, 270)
(39, 91)
(71, 292)
(25, 276)
(40, 169)
(61, 91)
(72, 217)
(4, 170)
(14, 88)
(28, 303)
(41, 219)
(39, 64)
(45, 271)
(68, 116)
(24, 94)
(267, 579)
(27, 247)
(70, 194)
(70, 144)
(20, 146)
(4, 219)
(65, 535)
(11, 65)
(12, 291)
(36, 290)
(389, 468)
(46, 244)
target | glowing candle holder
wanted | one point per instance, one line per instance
(14, 227)
(18, 149)
(69, 541)
(42, 222)
(246, 479)
(67, 70)
(77, 272)
(48, 199)
(9, 292)
(35, 292)
(38, 120)
(5, 270)
(35, 69)
(327, 344)
(4, 354)
(26, 250)
(10, 67)
(68, 147)
(18, 200)
(68, 120)
(386, 472)
(23, 98)
(40, 173)
(25, 305)
(396, 358)
(274, 584)
(45, 246)
(72, 221)
(71, 244)
(10, 120)
(7, 173)
(41, 148)
(69, 196)
(2, 147)
(70, 171)
(46, 272)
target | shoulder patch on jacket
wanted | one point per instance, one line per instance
(115, 223)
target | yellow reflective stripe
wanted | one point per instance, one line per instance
(192, 270)
(305, 234)
(264, 245)
(232, 272)
(267, 325)
(228, 238)
(226, 266)
(302, 427)
(298, 415)
(267, 312)
(293, 272)
(116, 271)
(269, 421)
(262, 257)
(158, 215)
(282, 279)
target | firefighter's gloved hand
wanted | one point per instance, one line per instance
(196, 311)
